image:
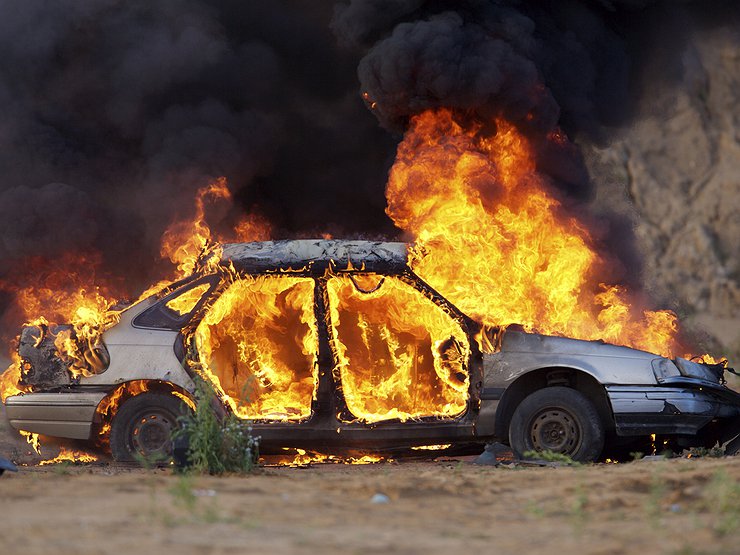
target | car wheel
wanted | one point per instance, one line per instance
(142, 428)
(558, 419)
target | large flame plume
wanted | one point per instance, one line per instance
(493, 238)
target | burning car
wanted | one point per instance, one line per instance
(338, 345)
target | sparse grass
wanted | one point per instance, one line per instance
(578, 510)
(533, 508)
(61, 468)
(723, 503)
(551, 456)
(714, 452)
(217, 446)
(182, 492)
(656, 496)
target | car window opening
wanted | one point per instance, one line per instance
(398, 354)
(186, 301)
(258, 345)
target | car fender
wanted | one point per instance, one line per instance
(141, 354)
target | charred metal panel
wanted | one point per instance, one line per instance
(708, 372)
(141, 354)
(42, 368)
(486, 424)
(371, 256)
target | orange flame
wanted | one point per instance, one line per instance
(69, 455)
(399, 355)
(304, 458)
(492, 237)
(258, 345)
(33, 440)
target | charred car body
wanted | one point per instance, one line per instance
(339, 346)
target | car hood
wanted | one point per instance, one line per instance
(520, 352)
(523, 342)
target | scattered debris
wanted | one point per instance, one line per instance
(495, 454)
(204, 492)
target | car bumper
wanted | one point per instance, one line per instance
(682, 407)
(67, 415)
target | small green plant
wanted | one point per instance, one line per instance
(217, 445)
(535, 509)
(578, 512)
(551, 456)
(637, 455)
(713, 452)
(62, 468)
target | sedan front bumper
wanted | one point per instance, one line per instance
(684, 406)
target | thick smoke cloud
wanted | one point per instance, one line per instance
(114, 113)
(539, 67)
(545, 66)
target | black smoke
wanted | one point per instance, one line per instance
(114, 113)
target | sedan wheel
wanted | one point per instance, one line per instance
(557, 419)
(142, 428)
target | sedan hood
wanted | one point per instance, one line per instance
(522, 342)
(520, 352)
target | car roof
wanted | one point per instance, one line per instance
(308, 254)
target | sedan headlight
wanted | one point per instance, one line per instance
(692, 369)
(664, 368)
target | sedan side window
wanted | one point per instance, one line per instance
(176, 308)
(398, 354)
(258, 343)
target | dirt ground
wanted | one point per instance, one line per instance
(681, 506)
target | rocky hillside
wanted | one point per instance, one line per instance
(675, 172)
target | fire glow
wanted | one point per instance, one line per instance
(489, 235)
(492, 238)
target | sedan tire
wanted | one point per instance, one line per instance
(142, 428)
(557, 419)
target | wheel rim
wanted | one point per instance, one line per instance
(555, 429)
(151, 434)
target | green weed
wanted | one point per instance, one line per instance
(217, 445)
(656, 496)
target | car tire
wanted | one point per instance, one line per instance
(558, 419)
(141, 430)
